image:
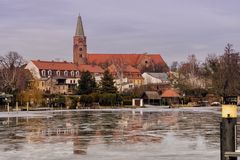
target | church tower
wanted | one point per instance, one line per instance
(79, 44)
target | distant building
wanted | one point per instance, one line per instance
(126, 76)
(143, 62)
(155, 78)
(62, 77)
(59, 77)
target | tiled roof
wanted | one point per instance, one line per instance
(130, 59)
(68, 66)
(170, 93)
(90, 68)
(126, 69)
(52, 65)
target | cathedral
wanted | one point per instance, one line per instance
(143, 62)
(62, 77)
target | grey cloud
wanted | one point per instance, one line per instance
(43, 29)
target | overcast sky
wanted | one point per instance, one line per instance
(43, 29)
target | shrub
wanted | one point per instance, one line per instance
(86, 100)
(109, 99)
(127, 102)
(74, 102)
(95, 97)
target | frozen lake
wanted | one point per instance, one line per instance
(123, 134)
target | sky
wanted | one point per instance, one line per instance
(43, 29)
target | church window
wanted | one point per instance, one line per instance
(80, 55)
(146, 62)
(43, 73)
(80, 49)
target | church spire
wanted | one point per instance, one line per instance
(79, 29)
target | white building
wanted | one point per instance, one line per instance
(155, 78)
(60, 77)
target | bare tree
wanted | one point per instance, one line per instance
(11, 67)
(120, 68)
(174, 66)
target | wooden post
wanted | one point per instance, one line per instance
(27, 106)
(17, 107)
(227, 130)
(8, 108)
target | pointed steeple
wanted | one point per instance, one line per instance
(79, 29)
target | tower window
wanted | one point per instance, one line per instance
(80, 49)
(80, 55)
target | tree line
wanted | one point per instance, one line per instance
(218, 74)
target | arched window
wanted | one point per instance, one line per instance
(43, 73)
(49, 72)
(77, 73)
(72, 73)
(65, 73)
(58, 73)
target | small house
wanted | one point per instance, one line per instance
(151, 97)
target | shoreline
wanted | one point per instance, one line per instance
(48, 113)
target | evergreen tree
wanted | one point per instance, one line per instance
(107, 83)
(87, 83)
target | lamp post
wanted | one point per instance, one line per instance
(227, 130)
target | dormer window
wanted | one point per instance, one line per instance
(72, 73)
(77, 73)
(58, 73)
(43, 73)
(49, 72)
(65, 73)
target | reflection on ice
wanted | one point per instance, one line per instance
(113, 134)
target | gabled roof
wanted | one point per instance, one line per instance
(170, 93)
(151, 95)
(162, 76)
(130, 59)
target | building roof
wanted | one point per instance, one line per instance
(90, 68)
(130, 59)
(53, 65)
(170, 93)
(68, 66)
(162, 76)
(151, 95)
(126, 69)
(79, 28)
